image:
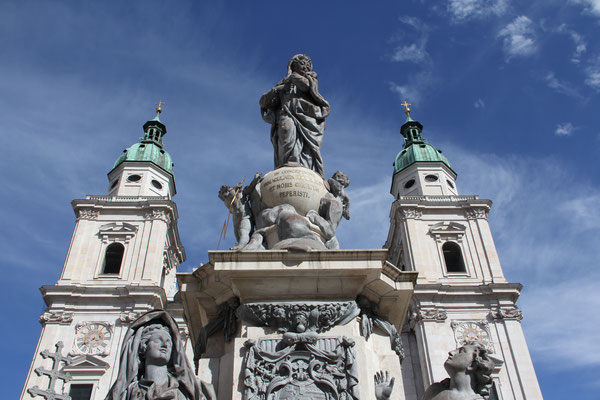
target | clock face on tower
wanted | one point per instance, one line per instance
(471, 331)
(92, 338)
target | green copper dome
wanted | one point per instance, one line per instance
(150, 148)
(416, 148)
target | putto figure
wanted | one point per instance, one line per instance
(469, 368)
(153, 365)
(297, 113)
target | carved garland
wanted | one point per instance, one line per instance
(476, 213)
(158, 215)
(511, 313)
(56, 317)
(88, 214)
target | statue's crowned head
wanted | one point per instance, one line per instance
(300, 63)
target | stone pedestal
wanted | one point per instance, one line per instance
(297, 311)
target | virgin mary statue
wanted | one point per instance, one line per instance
(153, 364)
(297, 111)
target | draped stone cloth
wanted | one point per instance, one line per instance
(297, 111)
(130, 385)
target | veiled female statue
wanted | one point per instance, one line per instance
(297, 113)
(469, 368)
(153, 364)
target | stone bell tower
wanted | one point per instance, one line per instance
(461, 294)
(121, 262)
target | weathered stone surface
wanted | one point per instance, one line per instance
(300, 187)
(470, 370)
(297, 111)
(154, 365)
(306, 368)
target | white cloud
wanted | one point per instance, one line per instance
(590, 6)
(462, 10)
(560, 86)
(519, 38)
(416, 84)
(546, 238)
(479, 103)
(578, 41)
(593, 77)
(565, 129)
(414, 52)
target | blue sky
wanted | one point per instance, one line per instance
(509, 90)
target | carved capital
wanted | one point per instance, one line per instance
(87, 213)
(511, 313)
(476, 213)
(430, 314)
(410, 213)
(160, 215)
(129, 316)
(56, 317)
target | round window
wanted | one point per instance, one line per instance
(431, 178)
(156, 184)
(450, 184)
(134, 178)
(409, 184)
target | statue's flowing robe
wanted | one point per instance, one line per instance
(307, 113)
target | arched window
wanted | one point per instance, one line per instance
(113, 258)
(453, 257)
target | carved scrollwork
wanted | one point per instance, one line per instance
(299, 317)
(411, 213)
(129, 316)
(430, 314)
(87, 213)
(512, 313)
(319, 369)
(56, 317)
(158, 215)
(476, 213)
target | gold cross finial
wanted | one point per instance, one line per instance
(158, 108)
(406, 107)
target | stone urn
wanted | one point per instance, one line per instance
(299, 187)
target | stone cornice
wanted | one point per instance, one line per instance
(500, 291)
(64, 298)
(442, 201)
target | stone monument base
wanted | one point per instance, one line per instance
(332, 316)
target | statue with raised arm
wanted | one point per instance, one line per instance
(469, 368)
(297, 113)
(153, 364)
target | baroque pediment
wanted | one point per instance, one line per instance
(447, 230)
(116, 230)
(86, 364)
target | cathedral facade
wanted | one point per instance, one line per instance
(288, 316)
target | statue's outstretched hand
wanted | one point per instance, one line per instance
(383, 385)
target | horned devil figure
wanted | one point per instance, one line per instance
(153, 364)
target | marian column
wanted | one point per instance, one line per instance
(286, 314)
